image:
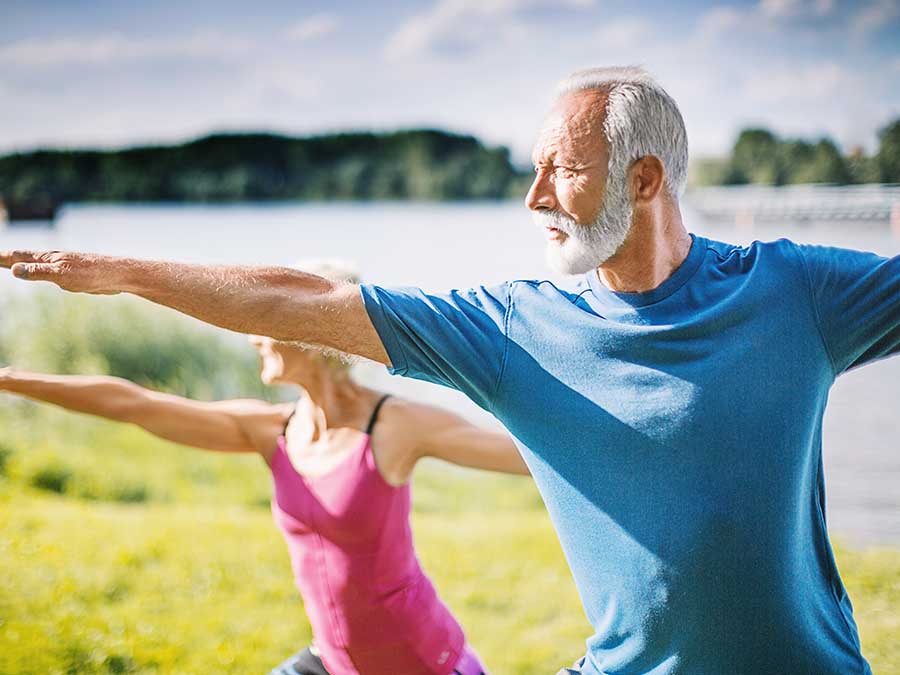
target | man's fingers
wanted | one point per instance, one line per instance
(10, 258)
(34, 271)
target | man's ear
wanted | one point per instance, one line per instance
(647, 178)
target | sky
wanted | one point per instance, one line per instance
(113, 73)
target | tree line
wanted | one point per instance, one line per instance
(417, 164)
(760, 156)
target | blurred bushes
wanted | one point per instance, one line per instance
(51, 450)
(49, 332)
(74, 477)
(53, 478)
(5, 454)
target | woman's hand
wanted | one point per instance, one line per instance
(7, 376)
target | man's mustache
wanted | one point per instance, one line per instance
(554, 219)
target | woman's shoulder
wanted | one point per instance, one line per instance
(395, 438)
(406, 418)
(265, 423)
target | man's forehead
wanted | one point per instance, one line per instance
(574, 125)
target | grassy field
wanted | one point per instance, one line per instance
(122, 554)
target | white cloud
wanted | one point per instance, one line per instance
(279, 81)
(875, 15)
(720, 20)
(623, 33)
(313, 27)
(790, 9)
(458, 23)
(99, 49)
(822, 82)
(767, 15)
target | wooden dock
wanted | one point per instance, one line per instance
(42, 210)
(746, 204)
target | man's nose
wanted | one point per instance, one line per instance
(541, 195)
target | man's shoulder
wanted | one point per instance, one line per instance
(722, 249)
(776, 256)
(550, 290)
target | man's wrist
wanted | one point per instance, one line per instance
(126, 275)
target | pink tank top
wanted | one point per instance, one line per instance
(372, 609)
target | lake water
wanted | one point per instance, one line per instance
(438, 246)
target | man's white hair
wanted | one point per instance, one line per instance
(641, 119)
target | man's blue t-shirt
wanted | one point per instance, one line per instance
(675, 436)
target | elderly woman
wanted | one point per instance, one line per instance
(341, 459)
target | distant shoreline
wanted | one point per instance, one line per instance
(417, 165)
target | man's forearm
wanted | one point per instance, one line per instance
(270, 301)
(279, 302)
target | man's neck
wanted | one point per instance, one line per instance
(655, 248)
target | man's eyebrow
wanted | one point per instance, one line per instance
(566, 161)
(546, 159)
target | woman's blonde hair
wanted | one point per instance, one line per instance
(333, 269)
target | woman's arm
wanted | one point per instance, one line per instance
(449, 437)
(226, 426)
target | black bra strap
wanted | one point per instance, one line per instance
(374, 417)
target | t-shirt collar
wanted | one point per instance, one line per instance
(676, 280)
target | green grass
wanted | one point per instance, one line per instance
(123, 554)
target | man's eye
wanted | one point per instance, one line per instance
(565, 172)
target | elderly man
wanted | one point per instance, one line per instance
(670, 410)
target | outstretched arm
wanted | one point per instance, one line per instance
(226, 426)
(449, 437)
(279, 302)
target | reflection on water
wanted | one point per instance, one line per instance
(450, 245)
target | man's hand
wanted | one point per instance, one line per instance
(75, 272)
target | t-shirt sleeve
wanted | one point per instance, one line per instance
(457, 339)
(857, 301)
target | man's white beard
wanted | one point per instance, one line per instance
(586, 247)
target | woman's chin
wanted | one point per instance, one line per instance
(269, 379)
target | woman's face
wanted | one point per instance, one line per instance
(281, 362)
